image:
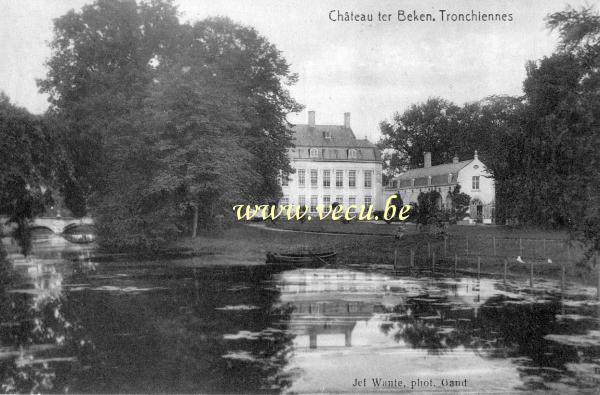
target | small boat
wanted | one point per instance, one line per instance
(80, 238)
(302, 259)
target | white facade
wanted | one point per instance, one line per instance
(472, 176)
(363, 191)
(331, 165)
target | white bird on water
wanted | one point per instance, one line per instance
(549, 260)
(520, 260)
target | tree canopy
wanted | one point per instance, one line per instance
(167, 118)
(543, 149)
(31, 155)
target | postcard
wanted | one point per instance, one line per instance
(300, 197)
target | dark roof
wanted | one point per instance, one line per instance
(333, 143)
(433, 171)
(439, 175)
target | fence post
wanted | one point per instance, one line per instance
(467, 245)
(598, 266)
(445, 246)
(395, 256)
(428, 250)
(494, 245)
(520, 246)
(455, 263)
(412, 258)
(531, 275)
(568, 252)
(433, 262)
(545, 248)
(505, 269)
(478, 268)
(562, 282)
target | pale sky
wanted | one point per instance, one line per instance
(371, 69)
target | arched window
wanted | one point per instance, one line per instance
(314, 153)
(449, 201)
(351, 154)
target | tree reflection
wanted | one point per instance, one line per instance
(167, 340)
(33, 323)
(499, 328)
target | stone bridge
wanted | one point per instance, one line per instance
(60, 224)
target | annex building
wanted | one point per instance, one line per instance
(332, 165)
(472, 176)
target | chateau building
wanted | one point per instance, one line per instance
(332, 165)
(472, 176)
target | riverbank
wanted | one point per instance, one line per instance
(243, 244)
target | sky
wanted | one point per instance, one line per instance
(370, 69)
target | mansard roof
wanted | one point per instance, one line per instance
(445, 169)
(332, 142)
(439, 175)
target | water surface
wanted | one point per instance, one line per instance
(73, 321)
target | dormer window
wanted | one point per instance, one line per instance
(351, 154)
(450, 178)
(314, 153)
(327, 135)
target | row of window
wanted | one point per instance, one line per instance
(314, 153)
(474, 182)
(326, 201)
(326, 178)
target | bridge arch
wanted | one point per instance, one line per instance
(59, 225)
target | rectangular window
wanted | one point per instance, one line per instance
(326, 178)
(351, 201)
(326, 203)
(301, 201)
(314, 178)
(284, 200)
(475, 182)
(339, 199)
(284, 180)
(301, 177)
(368, 202)
(314, 199)
(339, 178)
(352, 178)
(368, 178)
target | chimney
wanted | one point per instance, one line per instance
(347, 120)
(475, 155)
(427, 159)
(311, 119)
(455, 159)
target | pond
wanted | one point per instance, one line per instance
(73, 320)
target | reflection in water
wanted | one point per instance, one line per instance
(354, 325)
(70, 322)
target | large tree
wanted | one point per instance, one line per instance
(424, 127)
(103, 58)
(179, 118)
(563, 126)
(31, 157)
(445, 129)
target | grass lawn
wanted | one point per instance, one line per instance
(246, 244)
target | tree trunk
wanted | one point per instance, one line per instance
(195, 224)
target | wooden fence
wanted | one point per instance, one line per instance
(504, 255)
